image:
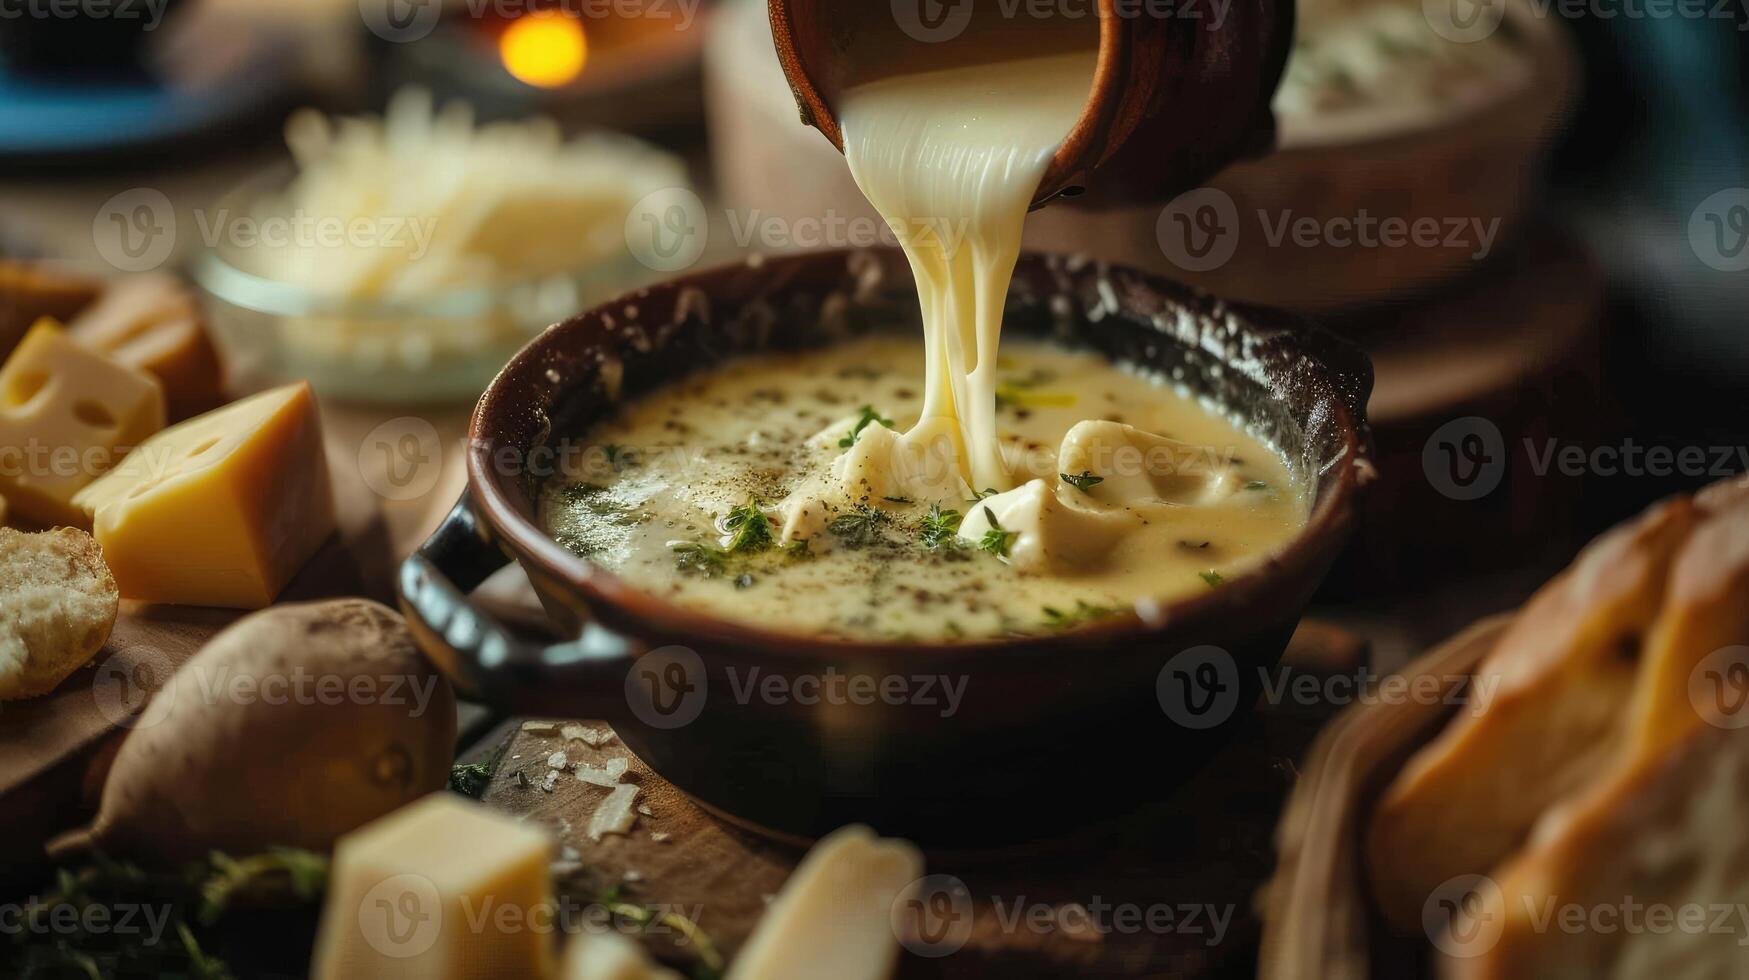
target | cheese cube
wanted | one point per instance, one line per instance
(221, 510)
(67, 414)
(151, 323)
(443, 888)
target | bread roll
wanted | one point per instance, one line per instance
(57, 605)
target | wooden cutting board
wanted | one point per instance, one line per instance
(1192, 861)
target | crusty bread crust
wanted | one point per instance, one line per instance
(1657, 837)
(1706, 615)
(58, 603)
(1546, 714)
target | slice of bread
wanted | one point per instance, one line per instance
(58, 603)
(1644, 875)
(1545, 716)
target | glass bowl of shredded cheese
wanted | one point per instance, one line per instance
(404, 259)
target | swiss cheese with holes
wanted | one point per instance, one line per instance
(221, 510)
(67, 415)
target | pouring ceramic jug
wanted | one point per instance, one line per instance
(1181, 87)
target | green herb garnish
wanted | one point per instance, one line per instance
(693, 558)
(470, 780)
(72, 930)
(1019, 393)
(1083, 612)
(272, 878)
(1085, 482)
(1257, 485)
(869, 417)
(619, 456)
(797, 550)
(747, 527)
(710, 964)
(860, 527)
(899, 500)
(996, 541)
(1213, 578)
(940, 527)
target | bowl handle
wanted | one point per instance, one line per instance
(581, 678)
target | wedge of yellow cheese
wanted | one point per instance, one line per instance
(67, 415)
(444, 889)
(221, 510)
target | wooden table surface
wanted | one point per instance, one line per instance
(1167, 889)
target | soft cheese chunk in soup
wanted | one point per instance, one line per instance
(1146, 495)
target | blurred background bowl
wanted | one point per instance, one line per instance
(434, 346)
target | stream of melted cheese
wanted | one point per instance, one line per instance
(951, 159)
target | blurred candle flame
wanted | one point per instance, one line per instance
(545, 49)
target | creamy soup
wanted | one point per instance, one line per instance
(945, 486)
(715, 493)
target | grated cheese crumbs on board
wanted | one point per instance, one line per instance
(660, 836)
(540, 727)
(595, 738)
(615, 814)
(557, 761)
(607, 776)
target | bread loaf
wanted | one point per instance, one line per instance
(1645, 875)
(1546, 713)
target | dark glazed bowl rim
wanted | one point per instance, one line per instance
(1291, 351)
